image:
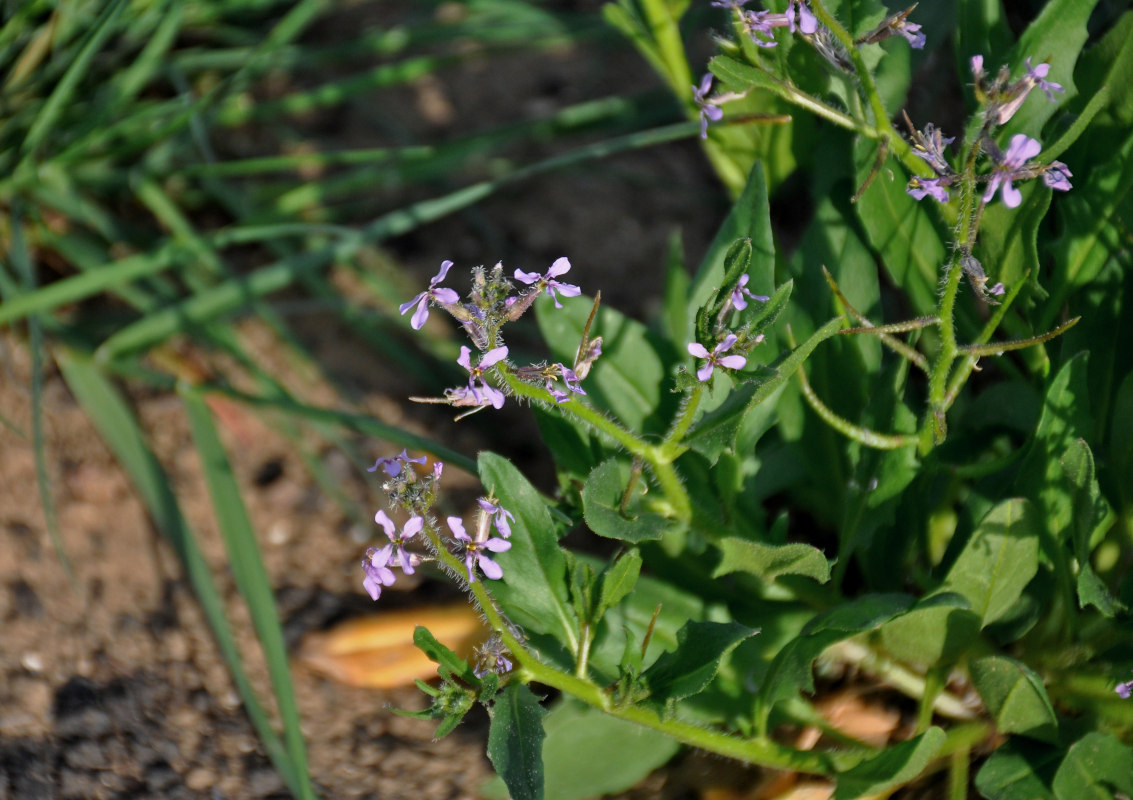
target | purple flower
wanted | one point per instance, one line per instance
(707, 110)
(560, 267)
(473, 551)
(1057, 176)
(918, 188)
(808, 22)
(404, 559)
(741, 289)
(478, 390)
(435, 293)
(1009, 166)
(998, 290)
(570, 378)
(377, 573)
(1012, 97)
(715, 359)
(897, 25)
(1124, 690)
(1037, 76)
(499, 514)
(929, 145)
(392, 466)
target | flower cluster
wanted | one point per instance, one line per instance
(1001, 98)
(492, 303)
(416, 496)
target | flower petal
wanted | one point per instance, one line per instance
(698, 350)
(386, 523)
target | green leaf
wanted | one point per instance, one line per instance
(1015, 697)
(1092, 517)
(1094, 764)
(1008, 244)
(446, 658)
(701, 646)
(1019, 770)
(533, 590)
(1057, 34)
(999, 560)
(768, 561)
(750, 218)
(589, 754)
(1121, 439)
(515, 741)
(897, 765)
(790, 670)
(937, 630)
(629, 379)
(618, 581)
(601, 501)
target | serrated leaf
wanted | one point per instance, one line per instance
(533, 590)
(897, 765)
(1019, 770)
(1094, 765)
(1015, 697)
(515, 741)
(938, 629)
(768, 562)
(790, 670)
(601, 498)
(618, 581)
(701, 646)
(999, 560)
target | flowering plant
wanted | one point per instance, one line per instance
(791, 489)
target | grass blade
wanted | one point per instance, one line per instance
(120, 431)
(248, 571)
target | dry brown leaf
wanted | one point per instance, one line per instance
(377, 651)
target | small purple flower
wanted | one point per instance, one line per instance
(377, 573)
(919, 188)
(1057, 176)
(560, 267)
(807, 21)
(435, 293)
(998, 290)
(760, 26)
(929, 145)
(478, 390)
(397, 540)
(715, 358)
(1010, 166)
(499, 514)
(392, 466)
(1037, 76)
(897, 25)
(1124, 690)
(473, 551)
(741, 289)
(707, 110)
(570, 378)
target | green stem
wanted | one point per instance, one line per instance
(659, 457)
(672, 442)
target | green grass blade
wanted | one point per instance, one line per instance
(248, 571)
(65, 89)
(231, 296)
(150, 60)
(119, 429)
(86, 284)
(23, 266)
